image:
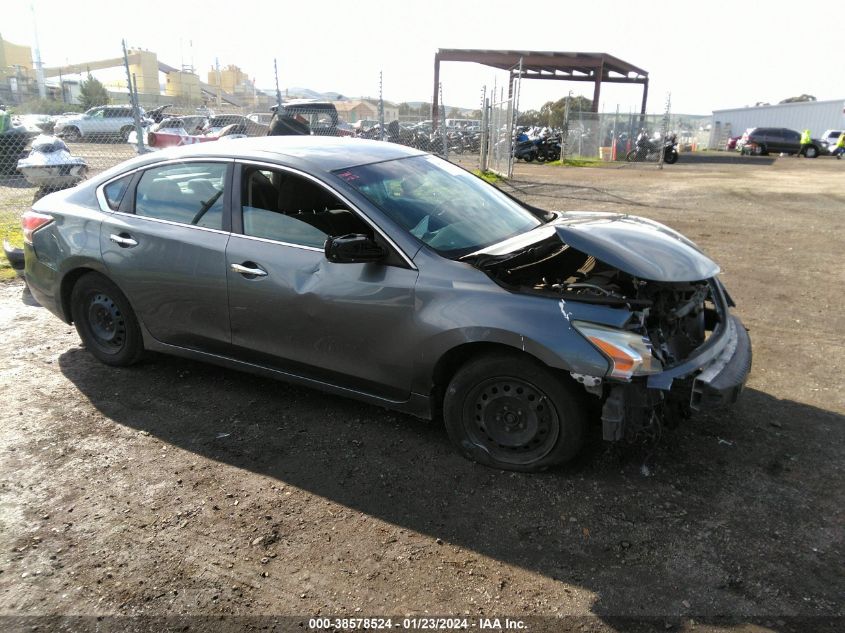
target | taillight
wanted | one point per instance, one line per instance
(31, 222)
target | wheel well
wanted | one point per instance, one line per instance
(68, 282)
(448, 365)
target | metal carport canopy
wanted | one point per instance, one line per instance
(593, 67)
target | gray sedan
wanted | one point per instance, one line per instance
(383, 273)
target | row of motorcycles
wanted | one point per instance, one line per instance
(540, 144)
(544, 144)
(422, 138)
(649, 148)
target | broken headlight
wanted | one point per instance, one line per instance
(629, 353)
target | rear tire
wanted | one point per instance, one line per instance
(509, 411)
(631, 156)
(124, 133)
(105, 321)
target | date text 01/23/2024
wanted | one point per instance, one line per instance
(415, 624)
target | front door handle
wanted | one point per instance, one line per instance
(253, 269)
(124, 240)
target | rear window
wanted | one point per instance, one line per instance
(114, 192)
(190, 193)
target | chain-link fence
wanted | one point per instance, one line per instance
(53, 143)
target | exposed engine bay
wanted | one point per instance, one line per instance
(676, 317)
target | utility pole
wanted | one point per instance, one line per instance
(219, 82)
(39, 67)
(133, 100)
(278, 92)
(380, 106)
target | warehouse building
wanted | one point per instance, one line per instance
(816, 116)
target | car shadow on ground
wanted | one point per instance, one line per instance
(731, 515)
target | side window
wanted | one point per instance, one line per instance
(114, 192)
(281, 206)
(191, 193)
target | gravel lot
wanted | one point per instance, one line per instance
(175, 488)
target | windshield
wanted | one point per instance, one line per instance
(441, 204)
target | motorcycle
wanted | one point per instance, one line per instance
(649, 149)
(528, 147)
(551, 148)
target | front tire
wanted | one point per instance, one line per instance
(508, 411)
(811, 152)
(105, 321)
(71, 135)
(632, 156)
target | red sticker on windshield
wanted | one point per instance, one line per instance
(348, 176)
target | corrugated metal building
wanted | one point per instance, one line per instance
(816, 116)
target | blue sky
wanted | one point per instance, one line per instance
(709, 55)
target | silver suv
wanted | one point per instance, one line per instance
(98, 123)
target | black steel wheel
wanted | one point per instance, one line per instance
(105, 321)
(510, 412)
(71, 134)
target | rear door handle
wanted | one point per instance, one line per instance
(124, 240)
(252, 269)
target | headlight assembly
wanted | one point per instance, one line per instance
(629, 353)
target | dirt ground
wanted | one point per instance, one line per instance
(177, 489)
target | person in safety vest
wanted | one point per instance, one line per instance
(839, 149)
(805, 142)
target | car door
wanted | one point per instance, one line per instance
(791, 141)
(774, 140)
(290, 308)
(165, 246)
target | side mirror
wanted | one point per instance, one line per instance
(353, 249)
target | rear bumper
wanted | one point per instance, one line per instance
(15, 257)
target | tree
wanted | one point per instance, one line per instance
(92, 93)
(528, 118)
(800, 99)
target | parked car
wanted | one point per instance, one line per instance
(218, 122)
(377, 271)
(829, 139)
(320, 116)
(261, 117)
(100, 123)
(766, 140)
(34, 124)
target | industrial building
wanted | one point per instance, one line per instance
(816, 116)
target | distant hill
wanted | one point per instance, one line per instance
(304, 93)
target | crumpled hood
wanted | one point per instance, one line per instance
(638, 246)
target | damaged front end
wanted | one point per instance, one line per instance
(678, 349)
